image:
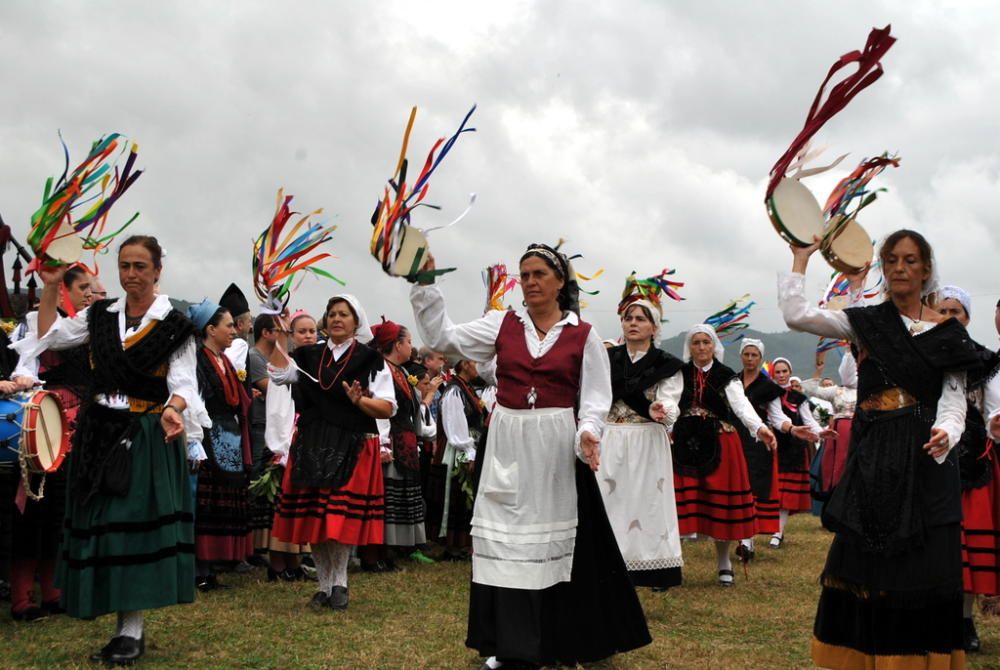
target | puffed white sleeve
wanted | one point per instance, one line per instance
(384, 428)
(182, 380)
(475, 340)
(65, 333)
(810, 422)
(27, 362)
(454, 421)
(741, 407)
(428, 426)
(776, 417)
(801, 315)
(595, 389)
(668, 393)
(381, 387)
(951, 409)
(811, 387)
(488, 371)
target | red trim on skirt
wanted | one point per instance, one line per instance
(981, 536)
(835, 454)
(720, 505)
(793, 489)
(351, 514)
(767, 510)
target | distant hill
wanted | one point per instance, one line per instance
(799, 348)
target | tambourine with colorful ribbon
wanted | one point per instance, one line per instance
(792, 208)
(498, 284)
(74, 211)
(400, 248)
(732, 318)
(279, 255)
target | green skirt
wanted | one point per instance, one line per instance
(132, 552)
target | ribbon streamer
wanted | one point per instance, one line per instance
(498, 284)
(279, 258)
(651, 289)
(92, 188)
(732, 318)
(826, 344)
(869, 69)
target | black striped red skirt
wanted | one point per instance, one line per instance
(793, 489)
(351, 514)
(721, 504)
(981, 535)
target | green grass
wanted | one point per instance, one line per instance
(416, 619)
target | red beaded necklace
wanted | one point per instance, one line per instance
(323, 363)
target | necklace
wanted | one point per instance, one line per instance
(326, 364)
(916, 326)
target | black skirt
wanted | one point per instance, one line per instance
(593, 616)
(663, 578)
(37, 533)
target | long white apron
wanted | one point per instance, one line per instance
(524, 521)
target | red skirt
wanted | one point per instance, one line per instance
(720, 505)
(351, 514)
(835, 454)
(766, 521)
(793, 489)
(981, 536)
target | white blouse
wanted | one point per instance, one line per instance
(182, 376)
(455, 423)
(737, 399)
(476, 340)
(801, 315)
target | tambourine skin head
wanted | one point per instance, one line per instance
(66, 249)
(849, 250)
(795, 212)
(412, 254)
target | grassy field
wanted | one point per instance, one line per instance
(416, 619)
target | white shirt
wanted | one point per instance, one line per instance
(455, 423)
(736, 397)
(801, 315)
(476, 340)
(237, 354)
(182, 376)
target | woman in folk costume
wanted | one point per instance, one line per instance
(548, 581)
(636, 475)
(892, 584)
(831, 459)
(463, 425)
(400, 455)
(37, 525)
(714, 498)
(128, 544)
(794, 452)
(977, 465)
(332, 495)
(762, 462)
(222, 531)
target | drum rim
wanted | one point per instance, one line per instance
(34, 405)
(779, 225)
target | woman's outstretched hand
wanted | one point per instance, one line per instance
(590, 447)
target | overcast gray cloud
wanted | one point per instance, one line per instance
(642, 132)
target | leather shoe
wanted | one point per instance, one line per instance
(338, 598)
(319, 600)
(102, 655)
(53, 608)
(29, 614)
(970, 637)
(126, 651)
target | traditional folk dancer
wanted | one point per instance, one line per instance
(636, 475)
(222, 531)
(980, 475)
(128, 544)
(794, 453)
(278, 425)
(400, 455)
(462, 428)
(892, 584)
(548, 581)
(37, 525)
(762, 463)
(332, 495)
(714, 497)
(831, 459)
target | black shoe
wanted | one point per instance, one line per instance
(308, 560)
(210, 583)
(454, 557)
(258, 561)
(102, 655)
(290, 575)
(390, 566)
(126, 651)
(970, 640)
(272, 576)
(319, 601)
(4, 590)
(726, 578)
(52, 608)
(338, 598)
(744, 553)
(30, 614)
(660, 589)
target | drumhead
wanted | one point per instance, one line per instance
(66, 249)
(412, 253)
(48, 435)
(795, 212)
(850, 249)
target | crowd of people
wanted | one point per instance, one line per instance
(568, 470)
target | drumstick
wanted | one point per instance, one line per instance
(45, 429)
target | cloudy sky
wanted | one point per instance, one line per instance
(641, 132)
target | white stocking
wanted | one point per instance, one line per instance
(340, 555)
(782, 520)
(722, 555)
(322, 553)
(130, 624)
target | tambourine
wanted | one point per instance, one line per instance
(847, 247)
(795, 213)
(413, 251)
(66, 249)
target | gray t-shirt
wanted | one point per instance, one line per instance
(256, 371)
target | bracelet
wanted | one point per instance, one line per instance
(173, 407)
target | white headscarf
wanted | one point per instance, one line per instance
(653, 310)
(848, 371)
(959, 294)
(750, 342)
(782, 359)
(363, 333)
(708, 330)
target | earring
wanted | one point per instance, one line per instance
(524, 303)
